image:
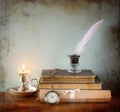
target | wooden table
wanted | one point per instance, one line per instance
(13, 104)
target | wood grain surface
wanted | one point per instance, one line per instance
(9, 103)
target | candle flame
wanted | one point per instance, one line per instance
(23, 70)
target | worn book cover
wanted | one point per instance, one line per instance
(64, 74)
(78, 95)
(68, 80)
(97, 84)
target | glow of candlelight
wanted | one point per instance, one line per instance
(92, 30)
(23, 70)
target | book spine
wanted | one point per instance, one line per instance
(80, 96)
(68, 80)
(70, 77)
(71, 86)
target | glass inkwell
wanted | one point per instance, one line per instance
(74, 63)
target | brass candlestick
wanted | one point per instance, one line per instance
(23, 79)
(23, 72)
(25, 89)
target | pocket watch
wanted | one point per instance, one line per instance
(52, 97)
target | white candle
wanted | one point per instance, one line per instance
(23, 70)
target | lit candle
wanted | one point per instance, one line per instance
(23, 70)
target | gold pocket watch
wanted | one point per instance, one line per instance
(52, 97)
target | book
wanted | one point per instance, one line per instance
(85, 76)
(71, 85)
(68, 80)
(79, 95)
(65, 73)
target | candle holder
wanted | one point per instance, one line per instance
(26, 88)
(74, 63)
(23, 79)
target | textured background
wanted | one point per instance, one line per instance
(41, 33)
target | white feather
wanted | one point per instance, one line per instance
(92, 30)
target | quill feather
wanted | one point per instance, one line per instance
(92, 30)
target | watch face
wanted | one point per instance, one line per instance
(52, 97)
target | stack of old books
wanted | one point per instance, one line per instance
(85, 85)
